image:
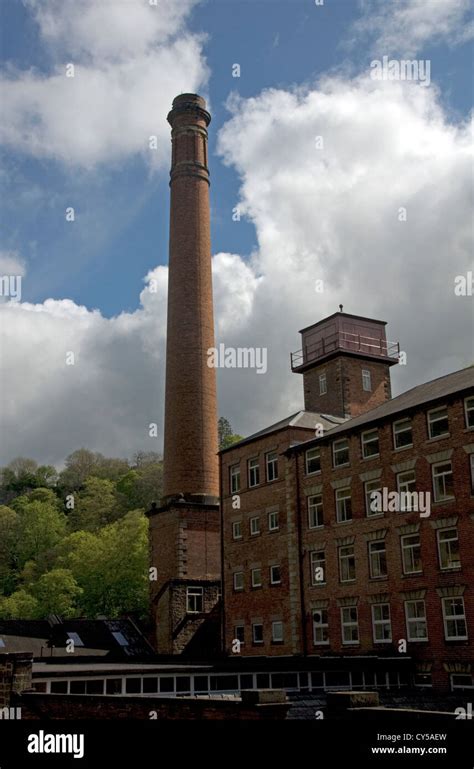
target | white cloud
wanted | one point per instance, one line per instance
(130, 60)
(406, 26)
(330, 214)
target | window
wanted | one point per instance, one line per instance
(256, 578)
(349, 625)
(448, 549)
(254, 472)
(273, 522)
(340, 452)
(234, 479)
(415, 615)
(237, 530)
(454, 618)
(438, 422)
(277, 632)
(2, 643)
(346, 563)
(366, 380)
(238, 580)
(471, 460)
(381, 623)
(76, 639)
(402, 434)
(406, 486)
(320, 627)
(313, 461)
(411, 553)
(443, 487)
(377, 559)
(469, 411)
(315, 511)
(257, 633)
(370, 444)
(195, 600)
(318, 567)
(239, 633)
(323, 387)
(272, 466)
(120, 638)
(255, 525)
(343, 505)
(275, 575)
(371, 486)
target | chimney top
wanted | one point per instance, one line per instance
(189, 102)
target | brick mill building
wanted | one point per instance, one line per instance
(314, 576)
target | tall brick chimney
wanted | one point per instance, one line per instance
(191, 467)
(185, 577)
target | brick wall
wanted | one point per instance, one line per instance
(15, 675)
(345, 395)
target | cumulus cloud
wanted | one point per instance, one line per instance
(330, 212)
(130, 60)
(406, 26)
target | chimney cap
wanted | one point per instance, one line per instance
(189, 103)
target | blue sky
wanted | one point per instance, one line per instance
(277, 44)
(305, 71)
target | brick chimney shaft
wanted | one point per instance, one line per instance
(190, 441)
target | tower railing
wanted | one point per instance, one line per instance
(345, 341)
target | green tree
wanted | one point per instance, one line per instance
(95, 505)
(8, 549)
(19, 605)
(57, 592)
(40, 527)
(225, 435)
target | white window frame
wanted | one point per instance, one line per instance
(366, 380)
(377, 486)
(236, 634)
(406, 484)
(346, 558)
(409, 549)
(447, 547)
(323, 385)
(234, 471)
(349, 624)
(322, 626)
(271, 520)
(255, 625)
(454, 617)
(277, 638)
(443, 475)
(381, 622)
(468, 409)
(253, 467)
(193, 594)
(400, 427)
(365, 442)
(336, 451)
(341, 498)
(256, 577)
(409, 621)
(310, 455)
(275, 581)
(376, 555)
(315, 511)
(317, 563)
(432, 421)
(238, 578)
(254, 527)
(273, 463)
(237, 526)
